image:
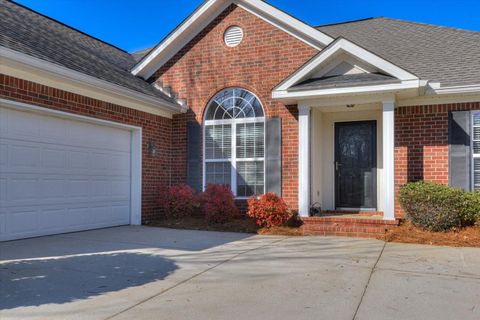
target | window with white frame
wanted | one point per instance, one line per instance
(476, 150)
(234, 142)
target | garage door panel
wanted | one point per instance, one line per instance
(23, 221)
(54, 158)
(68, 177)
(3, 154)
(24, 156)
(52, 189)
(22, 189)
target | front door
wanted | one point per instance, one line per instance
(355, 165)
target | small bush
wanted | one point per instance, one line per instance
(438, 207)
(268, 211)
(179, 201)
(219, 205)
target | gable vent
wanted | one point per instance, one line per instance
(233, 36)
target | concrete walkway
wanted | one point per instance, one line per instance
(151, 273)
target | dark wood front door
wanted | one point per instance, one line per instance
(356, 164)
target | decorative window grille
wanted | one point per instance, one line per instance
(234, 142)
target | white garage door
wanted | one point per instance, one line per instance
(59, 175)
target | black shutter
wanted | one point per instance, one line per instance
(273, 156)
(459, 157)
(194, 155)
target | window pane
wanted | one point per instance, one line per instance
(476, 133)
(218, 141)
(476, 147)
(250, 140)
(218, 173)
(233, 104)
(476, 173)
(476, 119)
(250, 178)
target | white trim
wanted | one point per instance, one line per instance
(285, 22)
(136, 148)
(131, 98)
(319, 93)
(304, 122)
(342, 45)
(435, 88)
(388, 124)
(230, 121)
(473, 155)
(439, 99)
(207, 12)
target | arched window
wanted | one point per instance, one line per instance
(234, 142)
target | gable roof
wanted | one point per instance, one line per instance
(440, 54)
(345, 80)
(338, 48)
(31, 33)
(208, 11)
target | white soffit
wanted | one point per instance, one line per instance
(207, 12)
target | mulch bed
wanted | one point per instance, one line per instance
(243, 225)
(408, 233)
(405, 233)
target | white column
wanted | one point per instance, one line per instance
(303, 160)
(389, 160)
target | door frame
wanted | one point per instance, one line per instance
(375, 166)
(135, 140)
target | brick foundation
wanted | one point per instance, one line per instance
(360, 227)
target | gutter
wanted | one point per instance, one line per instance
(93, 83)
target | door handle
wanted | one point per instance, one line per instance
(337, 165)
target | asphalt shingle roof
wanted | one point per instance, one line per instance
(448, 55)
(346, 80)
(31, 33)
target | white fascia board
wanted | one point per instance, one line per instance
(343, 45)
(318, 93)
(207, 12)
(180, 37)
(286, 22)
(17, 59)
(475, 88)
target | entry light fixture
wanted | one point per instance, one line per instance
(152, 149)
(350, 106)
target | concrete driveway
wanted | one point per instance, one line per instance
(150, 273)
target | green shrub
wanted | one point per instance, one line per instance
(438, 207)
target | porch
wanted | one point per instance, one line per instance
(346, 158)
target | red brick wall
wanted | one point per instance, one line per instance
(421, 143)
(206, 65)
(155, 171)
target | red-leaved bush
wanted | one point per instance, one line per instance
(179, 201)
(218, 204)
(268, 211)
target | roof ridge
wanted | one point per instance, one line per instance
(345, 22)
(431, 25)
(399, 20)
(68, 26)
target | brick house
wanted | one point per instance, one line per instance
(241, 93)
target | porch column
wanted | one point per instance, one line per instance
(389, 160)
(304, 160)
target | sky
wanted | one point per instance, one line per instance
(137, 24)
